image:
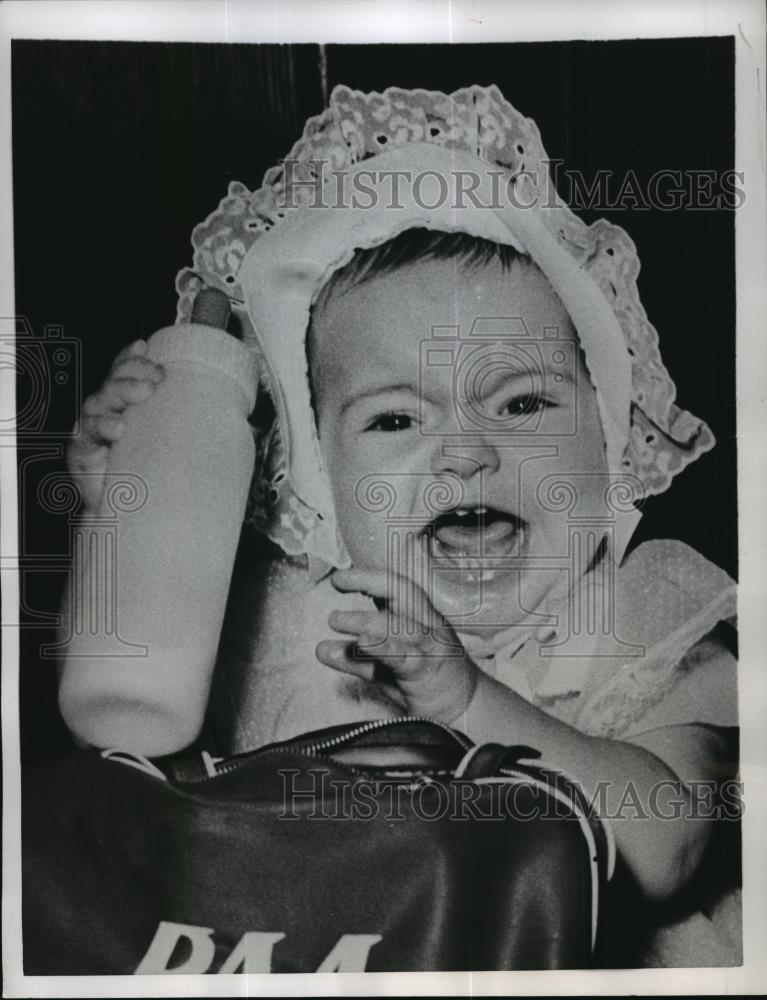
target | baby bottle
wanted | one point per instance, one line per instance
(192, 448)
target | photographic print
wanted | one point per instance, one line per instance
(376, 448)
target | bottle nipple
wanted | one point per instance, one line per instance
(211, 308)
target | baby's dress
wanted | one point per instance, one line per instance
(661, 663)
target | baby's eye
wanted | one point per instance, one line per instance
(522, 406)
(391, 422)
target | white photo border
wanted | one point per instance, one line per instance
(346, 21)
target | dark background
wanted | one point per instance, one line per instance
(120, 149)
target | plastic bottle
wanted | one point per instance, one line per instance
(191, 446)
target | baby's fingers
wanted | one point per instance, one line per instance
(372, 583)
(339, 655)
(373, 624)
(116, 394)
(87, 458)
(402, 596)
(137, 349)
(345, 658)
(97, 431)
(143, 369)
(85, 455)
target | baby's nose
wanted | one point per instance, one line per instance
(464, 458)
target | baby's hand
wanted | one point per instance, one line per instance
(132, 379)
(405, 639)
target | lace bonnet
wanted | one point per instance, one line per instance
(272, 250)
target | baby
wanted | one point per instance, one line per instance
(483, 407)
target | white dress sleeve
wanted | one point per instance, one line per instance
(687, 675)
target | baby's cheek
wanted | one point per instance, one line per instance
(571, 479)
(364, 534)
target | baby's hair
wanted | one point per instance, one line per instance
(414, 245)
(409, 247)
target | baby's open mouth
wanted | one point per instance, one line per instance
(473, 532)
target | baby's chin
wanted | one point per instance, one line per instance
(486, 602)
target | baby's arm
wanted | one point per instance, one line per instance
(662, 853)
(634, 784)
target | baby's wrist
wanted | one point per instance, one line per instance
(449, 703)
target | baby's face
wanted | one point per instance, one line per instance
(495, 420)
